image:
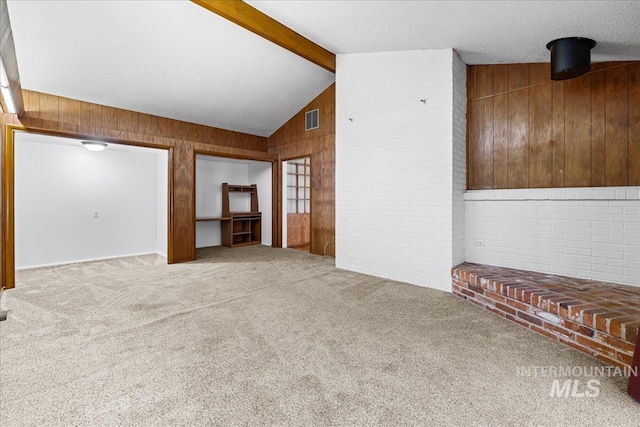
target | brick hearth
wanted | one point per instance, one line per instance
(598, 318)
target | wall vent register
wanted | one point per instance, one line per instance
(311, 119)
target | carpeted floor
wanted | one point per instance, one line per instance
(262, 336)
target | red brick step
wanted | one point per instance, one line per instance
(597, 318)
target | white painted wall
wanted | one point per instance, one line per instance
(59, 187)
(260, 174)
(395, 164)
(591, 233)
(162, 203)
(211, 172)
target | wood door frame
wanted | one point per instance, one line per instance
(275, 192)
(287, 159)
(8, 191)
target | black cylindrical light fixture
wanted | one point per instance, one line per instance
(570, 57)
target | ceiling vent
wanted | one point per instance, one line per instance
(311, 119)
(570, 57)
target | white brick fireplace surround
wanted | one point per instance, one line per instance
(400, 152)
(591, 233)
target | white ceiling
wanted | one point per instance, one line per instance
(178, 60)
(168, 58)
(482, 32)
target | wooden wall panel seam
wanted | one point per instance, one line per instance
(634, 124)
(628, 122)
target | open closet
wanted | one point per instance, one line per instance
(233, 202)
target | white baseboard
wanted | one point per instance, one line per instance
(79, 261)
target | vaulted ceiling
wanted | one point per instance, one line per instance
(167, 58)
(176, 59)
(482, 32)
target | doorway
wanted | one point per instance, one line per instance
(75, 203)
(298, 204)
(211, 220)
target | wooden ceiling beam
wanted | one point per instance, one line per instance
(9, 59)
(263, 25)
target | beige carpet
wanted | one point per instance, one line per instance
(262, 336)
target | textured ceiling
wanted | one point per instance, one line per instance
(178, 60)
(482, 32)
(168, 58)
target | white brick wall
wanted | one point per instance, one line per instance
(591, 233)
(394, 164)
(459, 156)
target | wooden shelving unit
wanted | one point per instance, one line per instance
(240, 228)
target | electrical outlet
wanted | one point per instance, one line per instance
(96, 214)
(479, 242)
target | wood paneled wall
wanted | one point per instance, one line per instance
(69, 115)
(298, 229)
(292, 141)
(53, 113)
(526, 131)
